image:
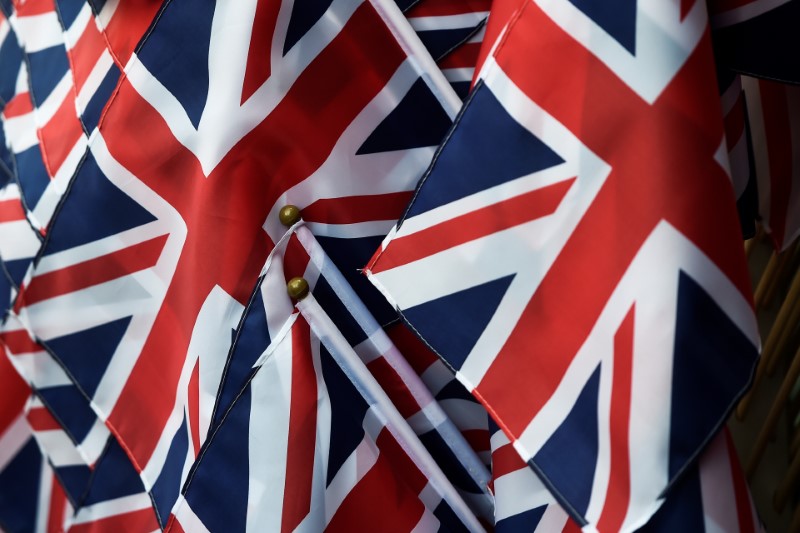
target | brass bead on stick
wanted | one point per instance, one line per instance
(289, 215)
(297, 288)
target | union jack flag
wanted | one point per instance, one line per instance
(712, 497)
(774, 117)
(270, 311)
(453, 32)
(350, 459)
(122, 246)
(82, 480)
(573, 254)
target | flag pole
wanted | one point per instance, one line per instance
(782, 322)
(774, 413)
(785, 489)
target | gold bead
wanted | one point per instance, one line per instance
(297, 288)
(289, 215)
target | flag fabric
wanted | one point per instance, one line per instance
(156, 374)
(453, 33)
(117, 253)
(350, 460)
(469, 416)
(773, 111)
(712, 497)
(739, 143)
(29, 496)
(56, 393)
(83, 483)
(751, 37)
(553, 267)
(299, 254)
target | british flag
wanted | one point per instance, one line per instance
(82, 479)
(269, 313)
(346, 457)
(712, 497)
(774, 117)
(121, 250)
(601, 284)
(453, 32)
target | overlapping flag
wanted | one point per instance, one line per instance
(562, 318)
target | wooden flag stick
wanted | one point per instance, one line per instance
(774, 414)
(786, 260)
(750, 244)
(769, 349)
(795, 446)
(770, 279)
(784, 336)
(788, 483)
(794, 527)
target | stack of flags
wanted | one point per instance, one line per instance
(433, 265)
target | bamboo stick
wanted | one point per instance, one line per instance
(774, 414)
(769, 350)
(784, 337)
(767, 280)
(787, 484)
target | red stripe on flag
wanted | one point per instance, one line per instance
(416, 352)
(85, 53)
(174, 525)
(441, 8)
(143, 520)
(478, 439)
(29, 8)
(686, 6)
(94, 271)
(401, 463)
(619, 482)
(505, 460)
(59, 135)
(474, 225)
(11, 210)
(302, 431)
(279, 153)
(502, 13)
(744, 504)
(40, 419)
(127, 26)
(295, 259)
(590, 100)
(58, 507)
(259, 65)
(465, 56)
(19, 105)
(18, 342)
(15, 392)
(394, 387)
(384, 495)
(571, 527)
(355, 209)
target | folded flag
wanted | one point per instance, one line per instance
(573, 252)
(751, 37)
(773, 110)
(196, 150)
(270, 310)
(350, 460)
(30, 497)
(713, 496)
